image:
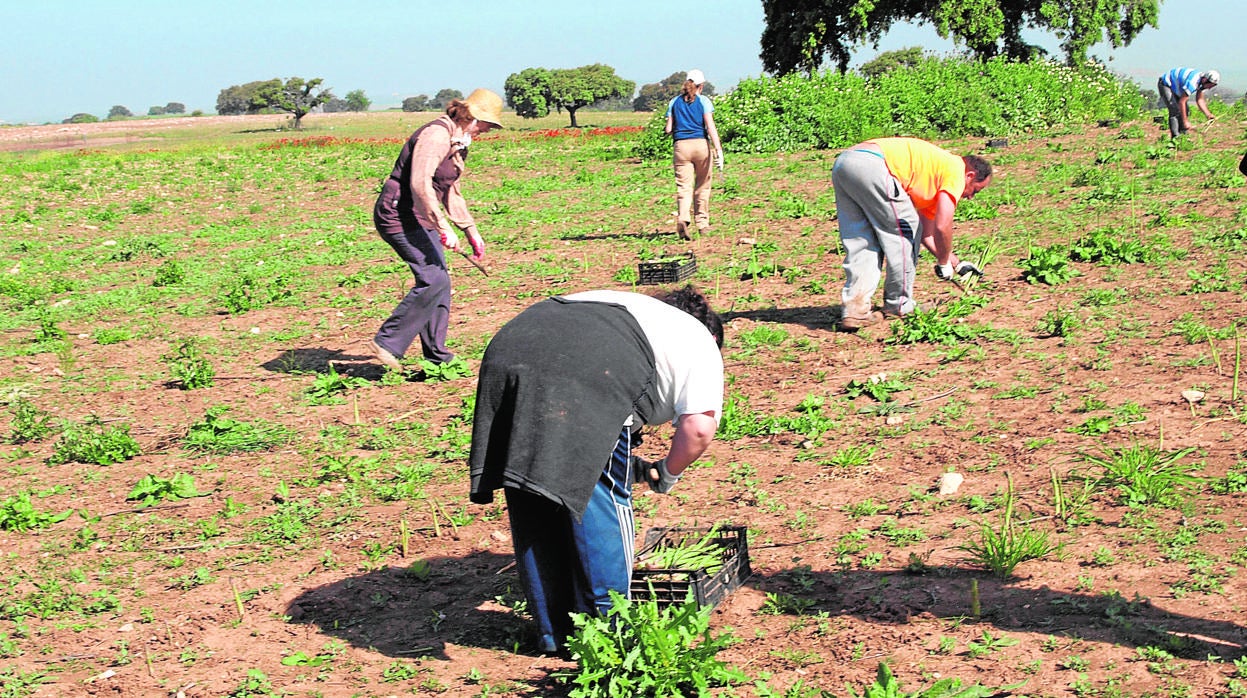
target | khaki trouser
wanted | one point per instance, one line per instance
(692, 181)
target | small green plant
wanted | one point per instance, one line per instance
(988, 643)
(29, 422)
(256, 685)
(879, 386)
(94, 442)
(189, 367)
(17, 513)
(866, 507)
(1143, 474)
(190, 580)
(886, 686)
(1062, 322)
(451, 370)
(169, 273)
(328, 387)
(1002, 548)
(220, 435)
(151, 489)
(1047, 265)
(640, 649)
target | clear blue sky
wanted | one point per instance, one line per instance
(60, 57)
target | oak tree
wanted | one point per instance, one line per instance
(801, 34)
(534, 91)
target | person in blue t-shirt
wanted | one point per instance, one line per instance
(690, 122)
(1176, 87)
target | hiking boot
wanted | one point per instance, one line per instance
(385, 357)
(853, 324)
(682, 228)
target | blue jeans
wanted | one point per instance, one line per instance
(425, 311)
(568, 566)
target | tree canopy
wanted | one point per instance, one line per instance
(801, 34)
(655, 95)
(296, 96)
(240, 99)
(532, 92)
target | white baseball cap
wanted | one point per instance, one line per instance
(696, 76)
(1211, 76)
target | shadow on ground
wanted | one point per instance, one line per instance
(400, 614)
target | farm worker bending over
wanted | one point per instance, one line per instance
(565, 387)
(409, 216)
(690, 122)
(1176, 88)
(890, 191)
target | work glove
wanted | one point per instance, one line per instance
(449, 240)
(969, 268)
(655, 474)
(477, 243)
(719, 158)
(944, 272)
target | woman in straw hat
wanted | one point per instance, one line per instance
(414, 213)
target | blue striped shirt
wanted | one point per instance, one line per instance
(1183, 81)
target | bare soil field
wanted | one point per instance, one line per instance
(857, 559)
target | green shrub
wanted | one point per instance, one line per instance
(942, 97)
(189, 367)
(94, 442)
(1047, 265)
(638, 649)
(220, 435)
(29, 422)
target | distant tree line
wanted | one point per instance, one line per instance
(439, 102)
(296, 96)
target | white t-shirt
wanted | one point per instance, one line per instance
(688, 362)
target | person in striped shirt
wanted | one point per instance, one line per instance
(1176, 87)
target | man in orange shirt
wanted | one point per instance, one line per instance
(890, 192)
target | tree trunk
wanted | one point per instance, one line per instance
(571, 111)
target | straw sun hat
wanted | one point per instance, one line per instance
(485, 106)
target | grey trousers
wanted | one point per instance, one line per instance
(879, 228)
(425, 311)
(1171, 103)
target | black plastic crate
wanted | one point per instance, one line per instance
(669, 587)
(668, 271)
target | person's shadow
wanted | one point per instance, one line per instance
(815, 317)
(320, 359)
(469, 600)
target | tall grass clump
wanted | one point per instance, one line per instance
(940, 97)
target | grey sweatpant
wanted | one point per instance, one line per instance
(1171, 103)
(879, 228)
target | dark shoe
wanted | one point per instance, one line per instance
(853, 324)
(704, 230)
(385, 357)
(682, 228)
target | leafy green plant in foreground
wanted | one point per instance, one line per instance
(1047, 265)
(451, 370)
(94, 442)
(151, 489)
(1002, 548)
(639, 649)
(328, 387)
(886, 686)
(18, 514)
